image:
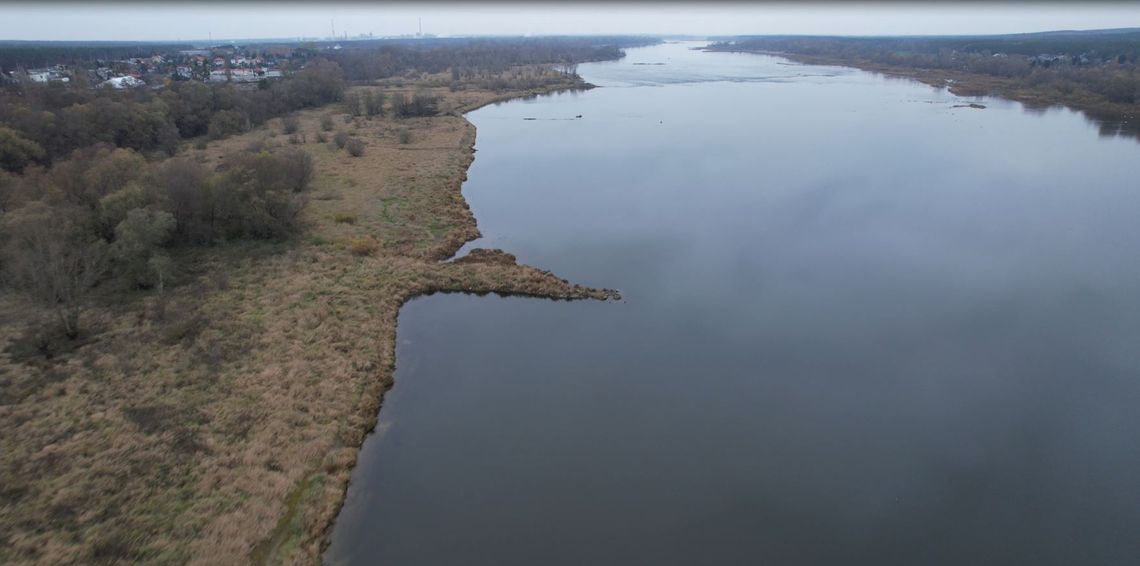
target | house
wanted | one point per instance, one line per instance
(50, 75)
(122, 83)
(1046, 59)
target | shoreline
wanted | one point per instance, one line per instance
(220, 422)
(554, 289)
(1117, 118)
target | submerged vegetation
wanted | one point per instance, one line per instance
(198, 326)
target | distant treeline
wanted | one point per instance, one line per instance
(42, 123)
(29, 55)
(1087, 68)
(370, 60)
(1103, 45)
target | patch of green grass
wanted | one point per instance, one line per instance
(290, 528)
(388, 203)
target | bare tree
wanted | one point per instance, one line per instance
(48, 258)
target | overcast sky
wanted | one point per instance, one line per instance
(236, 20)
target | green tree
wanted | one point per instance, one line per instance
(138, 238)
(227, 122)
(18, 152)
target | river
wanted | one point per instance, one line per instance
(862, 324)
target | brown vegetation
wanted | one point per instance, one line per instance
(214, 418)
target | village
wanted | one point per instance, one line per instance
(244, 65)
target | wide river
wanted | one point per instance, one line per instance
(861, 325)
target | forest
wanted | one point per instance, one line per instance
(368, 60)
(93, 190)
(29, 54)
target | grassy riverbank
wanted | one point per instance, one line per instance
(220, 426)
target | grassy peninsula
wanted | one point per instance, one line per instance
(212, 413)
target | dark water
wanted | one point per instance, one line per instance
(861, 327)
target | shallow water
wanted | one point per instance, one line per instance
(859, 326)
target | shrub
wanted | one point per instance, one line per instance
(227, 122)
(424, 104)
(340, 139)
(321, 137)
(297, 169)
(355, 147)
(363, 245)
(403, 136)
(374, 103)
(290, 124)
(421, 104)
(257, 146)
(137, 240)
(327, 123)
(255, 196)
(399, 105)
(352, 103)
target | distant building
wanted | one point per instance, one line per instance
(1046, 59)
(57, 74)
(122, 83)
(243, 75)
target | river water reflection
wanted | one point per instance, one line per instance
(861, 326)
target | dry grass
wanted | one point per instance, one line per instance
(224, 431)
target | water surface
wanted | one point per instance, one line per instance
(861, 326)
